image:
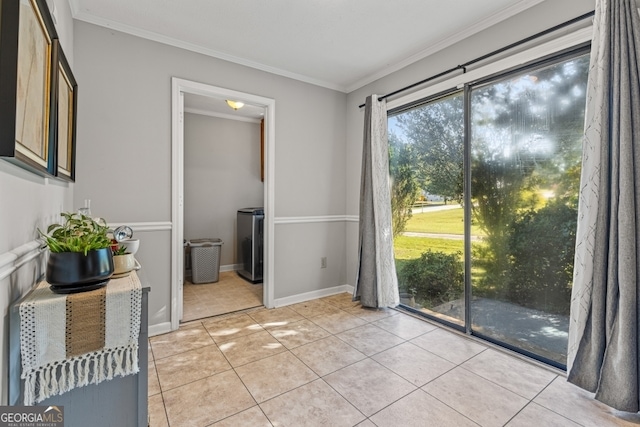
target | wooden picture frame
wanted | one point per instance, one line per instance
(27, 35)
(66, 101)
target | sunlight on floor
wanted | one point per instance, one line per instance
(231, 293)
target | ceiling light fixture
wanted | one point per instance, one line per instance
(235, 104)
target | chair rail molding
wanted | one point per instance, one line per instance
(145, 226)
(16, 258)
(311, 219)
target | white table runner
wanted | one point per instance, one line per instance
(69, 341)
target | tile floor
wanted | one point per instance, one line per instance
(229, 294)
(329, 362)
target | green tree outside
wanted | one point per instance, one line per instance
(404, 183)
(526, 153)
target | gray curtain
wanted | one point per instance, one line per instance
(603, 352)
(377, 283)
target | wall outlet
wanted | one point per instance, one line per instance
(323, 262)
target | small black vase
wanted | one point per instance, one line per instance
(69, 272)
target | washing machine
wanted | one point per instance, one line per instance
(249, 236)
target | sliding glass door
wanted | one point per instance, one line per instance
(523, 137)
(526, 147)
(427, 157)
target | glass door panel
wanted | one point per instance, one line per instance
(426, 147)
(526, 145)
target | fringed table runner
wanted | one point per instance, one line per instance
(69, 341)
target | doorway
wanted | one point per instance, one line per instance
(180, 88)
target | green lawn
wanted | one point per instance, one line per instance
(407, 248)
(438, 222)
(443, 222)
(413, 247)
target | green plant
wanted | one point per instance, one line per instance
(541, 255)
(120, 250)
(434, 278)
(78, 233)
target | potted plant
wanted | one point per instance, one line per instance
(80, 258)
(123, 260)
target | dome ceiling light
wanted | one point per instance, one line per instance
(235, 104)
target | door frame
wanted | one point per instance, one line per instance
(178, 88)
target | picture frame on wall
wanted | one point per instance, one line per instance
(66, 110)
(27, 76)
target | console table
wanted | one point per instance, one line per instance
(120, 401)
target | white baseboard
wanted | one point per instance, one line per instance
(163, 328)
(231, 267)
(159, 329)
(320, 293)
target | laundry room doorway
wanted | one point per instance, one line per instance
(217, 171)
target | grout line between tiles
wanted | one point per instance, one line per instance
(351, 364)
(499, 385)
(549, 409)
(164, 407)
(367, 321)
(344, 397)
(452, 408)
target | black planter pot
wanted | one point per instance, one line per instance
(69, 272)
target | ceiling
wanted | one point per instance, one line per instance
(338, 44)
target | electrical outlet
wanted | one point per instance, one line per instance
(323, 262)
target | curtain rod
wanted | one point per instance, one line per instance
(464, 66)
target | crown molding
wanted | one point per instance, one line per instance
(446, 42)
(150, 35)
(433, 48)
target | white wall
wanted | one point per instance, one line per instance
(124, 166)
(28, 201)
(313, 241)
(221, 175)
(541, 17)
